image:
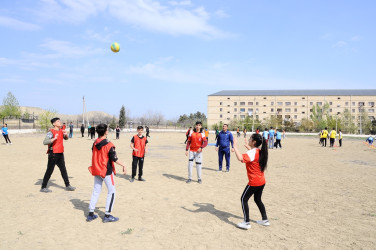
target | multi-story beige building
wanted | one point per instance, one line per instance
(228, 105)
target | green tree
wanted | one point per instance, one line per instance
(306, 125)
(113, 123)
(44, 120)
(122, 118)
(10, 106)
(348, 122)
(26, 115)
(364, 121)
(319, 113)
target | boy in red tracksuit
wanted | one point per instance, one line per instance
(196, 142)
(103, 169)
(54, 140)
(140, 148)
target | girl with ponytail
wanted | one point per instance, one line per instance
(255, 160)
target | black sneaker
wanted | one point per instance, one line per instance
(141, 179)
(132, 179)
(91, 217)
(70, 188)
(188, 181)
(199, 181)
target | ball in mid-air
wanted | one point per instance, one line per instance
(115, 47)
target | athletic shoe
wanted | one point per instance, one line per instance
(45, 190)
(199, 181)
(141, 179)
(244, 225)
(131, 180)
(263, 222)
(188, 181)
(70, 188)
(227, 170)
(91, 217)
(110, 219)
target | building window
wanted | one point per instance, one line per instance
(271, 110)
(256, 110)
(264, 112)
(338, 106)
(295, 117)
(242, 116)
(303, 98)
(220, 103)
(228, 112)
(360, 103)
(250, 103)
(353, 110)
(220, 116)
(287, 103)
(250, 110)
(242, 103)
(279, 110)
(319, 103)
(279, 103)
(287, 116)
(310, 110)
(242, 110)
(339, 98)
(311, 103)
(330, 103)
(264, 98)
(272, 103)
(257, 116)
(295, 110)
(235, 103)
(346, 103)
(371, 110)
(228, 105)
(330, 110)
(235, 116)
(228, 118)
(235, 110)
(228, 98)
(303, 105)
(287, 110)
(371, 104)
(296, 103)
(353, 103)
(220, 109)
(256, 103)
(303, 112)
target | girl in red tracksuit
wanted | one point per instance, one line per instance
(255, 160)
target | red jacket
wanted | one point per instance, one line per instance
(100, 158)
(57, 145)
(140, 144)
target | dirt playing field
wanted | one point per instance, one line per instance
(315, 198)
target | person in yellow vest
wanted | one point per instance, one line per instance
(140, 148)
(324, 137)
(333, 134)
(340, 138)
(321, 137)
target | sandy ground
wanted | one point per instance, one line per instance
(315, 198)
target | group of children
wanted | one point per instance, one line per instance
(104, 158)
(270, 135)
(325, 135)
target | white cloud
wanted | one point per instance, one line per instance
(340, 44)
(221, 14)
(356, 38)
(181, 3)
(176, 18)
(16, 24)
(327, 36)
(68, 49)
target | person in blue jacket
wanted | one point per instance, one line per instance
(4, 131)
(278, 137)
(370, 140)
(223, 147)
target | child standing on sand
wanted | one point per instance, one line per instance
(255, 160)
(103, 169)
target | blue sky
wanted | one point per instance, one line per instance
(175, 53)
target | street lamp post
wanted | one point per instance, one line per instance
(360, 118)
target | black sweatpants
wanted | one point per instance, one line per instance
(140, 161)
(55, 159)
(324, 142)
(332, 142)
(6, 137)
(340, 142)
(278, 143)
(247, 193)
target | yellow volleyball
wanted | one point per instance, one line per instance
(115, 47)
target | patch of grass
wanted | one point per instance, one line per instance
(129, 231)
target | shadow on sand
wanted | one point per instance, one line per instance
(84, 207)
(209, 208)
(175, 177)
(50, 183)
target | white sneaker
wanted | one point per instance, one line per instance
(263, 222)
(244, 225)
